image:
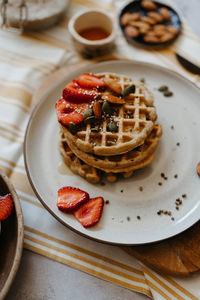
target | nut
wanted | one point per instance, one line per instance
(159, 27)
(148, 5)
(168, 94)
(172, 29)
(142, 26)
(198, 168)
(131, 31)
(113, 99)
(156, 16)
(160, 30)
(148, 20)
(127, 17)
(72, 128)
(135, 17)
(97, 109)
(166, 37)
(112, 126)
(87, 113)
(107, 108)
(163, 88)
(113, 85)
(159, 34)
(165, 13)
(150, 37)
(128, 90)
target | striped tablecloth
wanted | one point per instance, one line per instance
(25, 61)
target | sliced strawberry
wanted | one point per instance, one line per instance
(70, 112)
(6, 205)
(90, 81)
(90, 213)
(73, 92)
(73, 117)
(79, 107)
(70, 198)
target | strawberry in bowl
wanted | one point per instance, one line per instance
(6, 206)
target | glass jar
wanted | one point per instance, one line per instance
(32, 14)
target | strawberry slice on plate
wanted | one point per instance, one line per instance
(75, 93)
(6, 205)
(68, 112)
(90, 213)
(90, 81)
(70, 198)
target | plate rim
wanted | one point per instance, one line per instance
(42, 99)
(20, 236)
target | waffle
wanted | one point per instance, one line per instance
(90, 173)
(75, 164)
(125, 160)
(135, 120)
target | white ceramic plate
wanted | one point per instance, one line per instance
(43, 163)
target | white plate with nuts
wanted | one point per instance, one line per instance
(158, 201)
(150, 24)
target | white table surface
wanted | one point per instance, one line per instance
(40, 278)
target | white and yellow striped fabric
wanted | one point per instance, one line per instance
(25, 61)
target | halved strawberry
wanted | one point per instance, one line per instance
(90, 213)
(73, 92)
(70, 112)
(90, 81)
(79, 107)
(70, 198)
(6, 205)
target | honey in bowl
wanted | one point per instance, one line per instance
(94, 33)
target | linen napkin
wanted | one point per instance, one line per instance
(25, 61)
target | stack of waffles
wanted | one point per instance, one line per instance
(117, 133)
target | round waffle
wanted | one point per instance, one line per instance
(135, 120)
(75, 164)
(125, 160)
(90, 173)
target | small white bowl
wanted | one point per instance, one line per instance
(91, 19)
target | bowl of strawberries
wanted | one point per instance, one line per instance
(11, 234)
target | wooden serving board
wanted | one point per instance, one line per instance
(178, 256)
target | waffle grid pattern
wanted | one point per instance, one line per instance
(75, 164)
(135, 120)
(131, 158)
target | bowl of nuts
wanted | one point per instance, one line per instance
(149, 23)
